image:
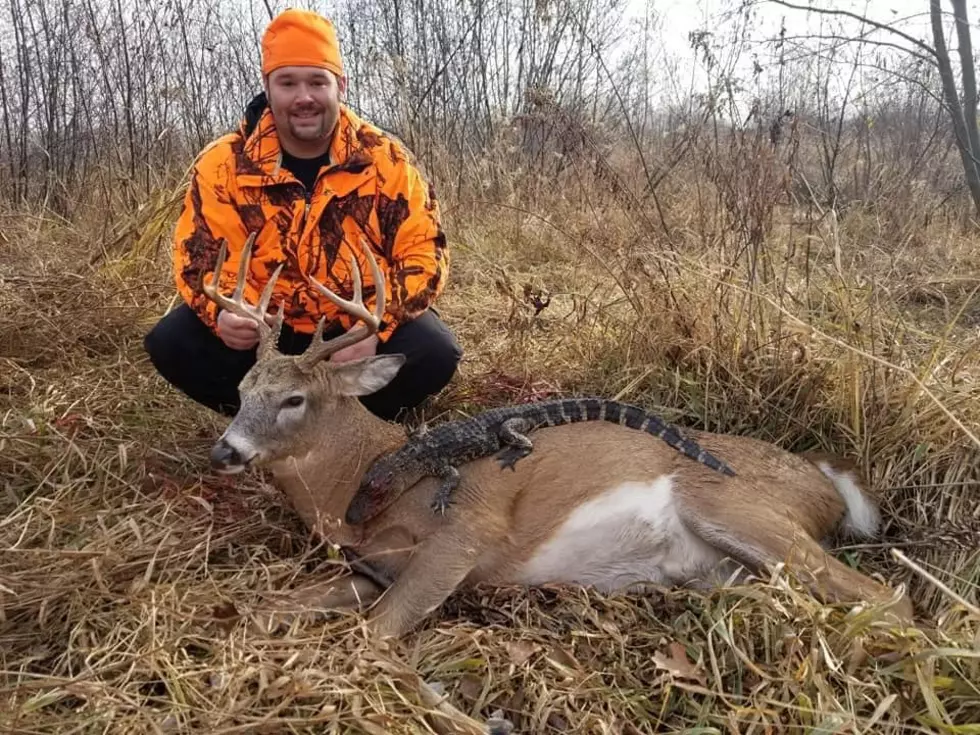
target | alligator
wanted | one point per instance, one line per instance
(436, 452)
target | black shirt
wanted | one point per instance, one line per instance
(305, 169)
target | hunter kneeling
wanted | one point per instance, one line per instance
(311, 182)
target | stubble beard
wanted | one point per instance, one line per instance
(310, 135)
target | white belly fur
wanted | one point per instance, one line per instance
(628, 536)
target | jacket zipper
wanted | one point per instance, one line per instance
(307, 196)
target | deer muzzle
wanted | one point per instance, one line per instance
(225, 458)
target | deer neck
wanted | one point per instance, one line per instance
(321, 483)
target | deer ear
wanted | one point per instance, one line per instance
(367, 375)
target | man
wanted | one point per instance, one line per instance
(313, 180)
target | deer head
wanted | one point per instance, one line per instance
(288, 401)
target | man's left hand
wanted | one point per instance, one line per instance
(365, 348)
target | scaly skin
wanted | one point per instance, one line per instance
(438, 451)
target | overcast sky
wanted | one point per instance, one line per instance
(683, 16)
(680, 17)
(686, 15)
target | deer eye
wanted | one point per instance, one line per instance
(293, 402)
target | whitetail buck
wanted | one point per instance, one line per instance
(594, 503)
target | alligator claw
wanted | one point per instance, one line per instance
(440, 505)
(509, 457)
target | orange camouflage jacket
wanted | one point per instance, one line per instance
(371, 190)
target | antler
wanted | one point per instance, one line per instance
(370, 323)
(268, 335)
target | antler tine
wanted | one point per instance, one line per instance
(370, 322)
(268, 336)
(211, 289)
(233, 304)
(243, 262)
(266, 295)
(355, 307)
(380, 297)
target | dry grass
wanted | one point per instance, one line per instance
(124, 564)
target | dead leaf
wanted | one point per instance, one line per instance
(557, 722)
(610, 627)
(513, 702)
(856, 657)
(678, 664)
(520, 651)
(498, 724)
(563, 661)
(226, 615)
(588, 652)
(471, 687)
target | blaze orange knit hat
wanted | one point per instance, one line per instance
(301, 38)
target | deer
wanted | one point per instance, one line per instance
(595, 504)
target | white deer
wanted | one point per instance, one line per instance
(594, 503)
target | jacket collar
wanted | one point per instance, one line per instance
(260, 163)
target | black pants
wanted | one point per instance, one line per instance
(194, 360)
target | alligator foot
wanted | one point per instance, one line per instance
(509, 456)
(443, 498)
(441, 502)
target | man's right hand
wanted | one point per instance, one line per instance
(238, 332)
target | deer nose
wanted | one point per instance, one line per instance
(224, 455)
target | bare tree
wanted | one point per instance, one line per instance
(963, 114)
(961, 109)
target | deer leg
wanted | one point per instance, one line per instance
(349, 592)
(436, 569)
(765, 538)
(513, 432)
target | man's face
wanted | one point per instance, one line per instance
(305, 104)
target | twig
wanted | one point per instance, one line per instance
(941, 585)
(458, 722)
(864, 19)
(359, 565)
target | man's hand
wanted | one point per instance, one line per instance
(240, 332)
(365, 348)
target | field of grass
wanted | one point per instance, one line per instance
(124, 561)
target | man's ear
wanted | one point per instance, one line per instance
(342, 86)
